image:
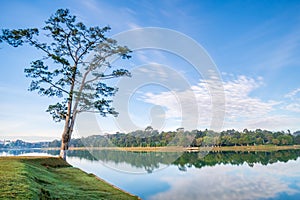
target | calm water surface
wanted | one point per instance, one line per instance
(213, 175)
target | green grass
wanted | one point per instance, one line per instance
(51, 178)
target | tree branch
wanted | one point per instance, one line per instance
(49, 82)
(69, 47)
(39, 47)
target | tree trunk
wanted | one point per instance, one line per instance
(69, 121)
(63, 150)
(66, 136)
(65, 143)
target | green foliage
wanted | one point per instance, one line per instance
(64, 65)
(152, 138)
(297, 139)
(51, 178)
(196, 138)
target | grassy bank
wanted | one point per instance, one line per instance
(51, 178)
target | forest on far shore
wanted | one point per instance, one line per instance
(196, 138)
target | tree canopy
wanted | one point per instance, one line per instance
(195, 138)
(66, 72)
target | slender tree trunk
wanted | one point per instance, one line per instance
(65, 139)
(64, 144)
(70, 121)
(66, 136)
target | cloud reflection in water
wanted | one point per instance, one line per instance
(234, 182)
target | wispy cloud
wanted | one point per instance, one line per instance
(285, 52)
(239, 104)
(293, 93)
(133, 25)
(273, 122)
(118, 17)
(293, 102)
(294, 107)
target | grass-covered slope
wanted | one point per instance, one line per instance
(51, 178)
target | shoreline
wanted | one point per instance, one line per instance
(187, 149)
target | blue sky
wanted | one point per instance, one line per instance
(254, 44)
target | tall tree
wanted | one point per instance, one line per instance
(65, 71)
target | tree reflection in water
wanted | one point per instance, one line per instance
(150, 161)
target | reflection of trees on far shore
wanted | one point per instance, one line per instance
(149, 161)
(152, 160)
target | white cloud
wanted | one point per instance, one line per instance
(292, 94)
(294, 107)
(239, 104)
(274, 122)
(293, 104)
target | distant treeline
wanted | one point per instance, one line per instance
(196, 138)
(20, 144)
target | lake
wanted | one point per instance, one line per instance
(195, 175)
